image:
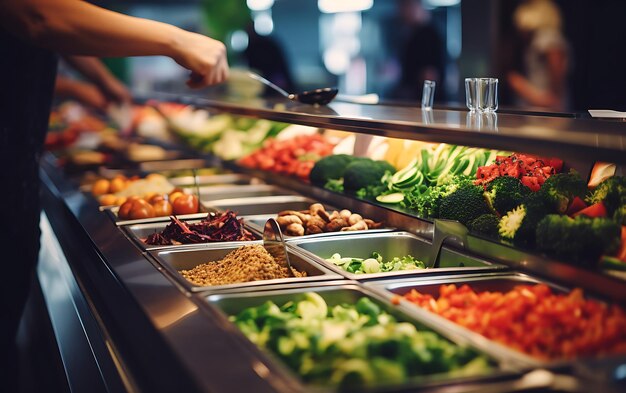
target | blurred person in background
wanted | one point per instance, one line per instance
(543, 81)
(32, 32)
(265, 56)
(422, 53)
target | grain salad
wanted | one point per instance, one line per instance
(245, 264)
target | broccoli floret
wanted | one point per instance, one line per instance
(464, 204)
(519, 224)
(620, 215)
(334, 185)
(427, 202)
(487, 225)
(363, 173)
(612, 192)
(559, 190)
(581, 240)
(330, 167)
(372, 191)
(506, 192)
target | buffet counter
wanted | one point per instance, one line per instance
(125, 320)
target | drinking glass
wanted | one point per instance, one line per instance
(428, 94)
(470, 94)
(487, 93)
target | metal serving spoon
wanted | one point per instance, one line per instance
(315, 97)
(275, 245)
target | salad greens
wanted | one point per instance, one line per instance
(352, 346)
(375, 264)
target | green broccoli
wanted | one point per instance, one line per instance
(559, 191)
(426, 202)
(620, 214)
(464, 204)
(611, 192)
(505, 193)
(363, 173)
(519, 224)
(487, 225)
(334, 185)
(330, 167)
(581, 240)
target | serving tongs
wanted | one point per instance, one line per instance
(275, 245)
(444, 229)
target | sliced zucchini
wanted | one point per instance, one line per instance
(396, 197)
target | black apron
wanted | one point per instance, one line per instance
(27, 75)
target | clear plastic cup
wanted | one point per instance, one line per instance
(428, 94)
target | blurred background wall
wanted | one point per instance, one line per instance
(389, 46)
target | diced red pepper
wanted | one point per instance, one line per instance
(595, 210)
(576, 206)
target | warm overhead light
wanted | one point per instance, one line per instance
(333, 6)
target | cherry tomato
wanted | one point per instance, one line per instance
(124, 211)
(174, 195)
(185, 204)
(162, 208)
(141, 209)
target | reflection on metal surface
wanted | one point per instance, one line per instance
(170, 313)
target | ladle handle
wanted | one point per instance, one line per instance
(268, 83)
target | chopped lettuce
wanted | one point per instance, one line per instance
(375, 264)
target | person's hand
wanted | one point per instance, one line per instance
(115, 91)
(85, 93)
(204, 57)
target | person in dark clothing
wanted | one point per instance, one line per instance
(31, 31)
(422, 56)
(265, 56)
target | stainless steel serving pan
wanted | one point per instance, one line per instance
(139, 232)
(111, 211)
(257, 222)
(335, 293)
(389, 245)
(495, 281)
(214, 180)
(210, 193)
(261, 205)
(187, 257)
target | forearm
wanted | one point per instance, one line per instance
(85, 29)
(90, 67)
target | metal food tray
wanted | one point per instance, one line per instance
(501, 282)
(111, 211)
(138, 232)
(262, 205)
(335, 293)
(389, 245)
(187, 257)
(210, 193)
(257, 223)
(214, 180)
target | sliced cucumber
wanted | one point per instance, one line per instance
(396, 197)
(470, 167)
(403, 177)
